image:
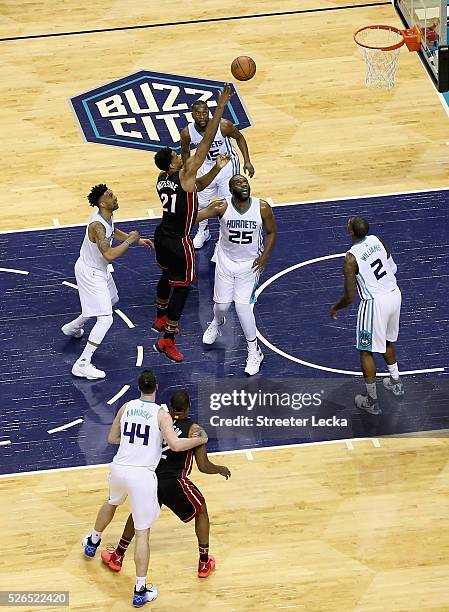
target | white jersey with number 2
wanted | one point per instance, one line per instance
(375, 276)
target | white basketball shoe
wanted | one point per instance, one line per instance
(85, 369)
(201, 237)
(253, 362)
(68, 330)
(213, 331)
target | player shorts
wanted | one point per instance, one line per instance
(140, 483)
(219, 187)
(235, 281)
(378, 321)
(177, 256)
(97, 290)
(182, 497)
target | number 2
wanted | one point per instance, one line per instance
(377, 269)
(164, 200)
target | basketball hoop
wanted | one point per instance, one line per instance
(380, 46)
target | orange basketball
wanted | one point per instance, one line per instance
(243, 68)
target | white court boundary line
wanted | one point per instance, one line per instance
(70, 285)
(322, 200)
(309, 364)
(139, 359)
(412, 434)
(123, 316)
(13, 271)
(66, 426)
(118, 395)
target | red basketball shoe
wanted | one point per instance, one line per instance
(159, 324)
(167, 346)
(112, 559)
(204, 569)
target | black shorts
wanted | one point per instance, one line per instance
(177, 256)
(180, 495)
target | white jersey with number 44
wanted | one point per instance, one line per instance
(141, 439)
(375, 276)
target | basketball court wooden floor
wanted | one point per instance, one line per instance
(347, 525)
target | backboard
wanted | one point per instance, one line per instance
(431, 16)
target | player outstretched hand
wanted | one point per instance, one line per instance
(222, 160)
(333, 312)
(199, 433)
(146, 242)
(224, 471)
(225, 95)
(248, 168)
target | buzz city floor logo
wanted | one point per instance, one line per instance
(148, 110)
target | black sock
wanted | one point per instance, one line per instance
(122, 546)
(204, 553)
(161, 309)
(169, 331)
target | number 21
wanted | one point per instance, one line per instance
(164, 200)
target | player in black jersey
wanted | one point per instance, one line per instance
(177, 187)
(176, 491)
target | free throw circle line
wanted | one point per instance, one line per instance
(309, 364)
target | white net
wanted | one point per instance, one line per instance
(380, 64)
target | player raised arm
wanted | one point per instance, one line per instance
(203, 181)
(229, 129)
(269, 223)
(185, 145)
(350, 269)
(176, 444)
(187, 174)
(98, 233)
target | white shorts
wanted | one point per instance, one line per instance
(96, 289)
(140, 483)
(219, 188)
(235, 281)
(378, 321)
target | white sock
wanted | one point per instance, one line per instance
(78, 322)
(141, 582)
(252, 345)
(203, 226)
(371, 389)
(394, 371)
(95, 536)
(89, 350)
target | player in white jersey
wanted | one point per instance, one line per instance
(191, 136)
(139, 428)
(240, 260)
(369, 268)
(96, 287)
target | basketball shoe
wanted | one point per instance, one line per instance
(159, 324)
(85, 369)
(68, 330)
(144, 596)
(367, 403)
(112, 559)
(253, 362)
(205, 568)
(201, 237)
(213, 331)
(89, 547)
(167, 346)
(395, 386)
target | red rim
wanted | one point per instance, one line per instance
(380, 47)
